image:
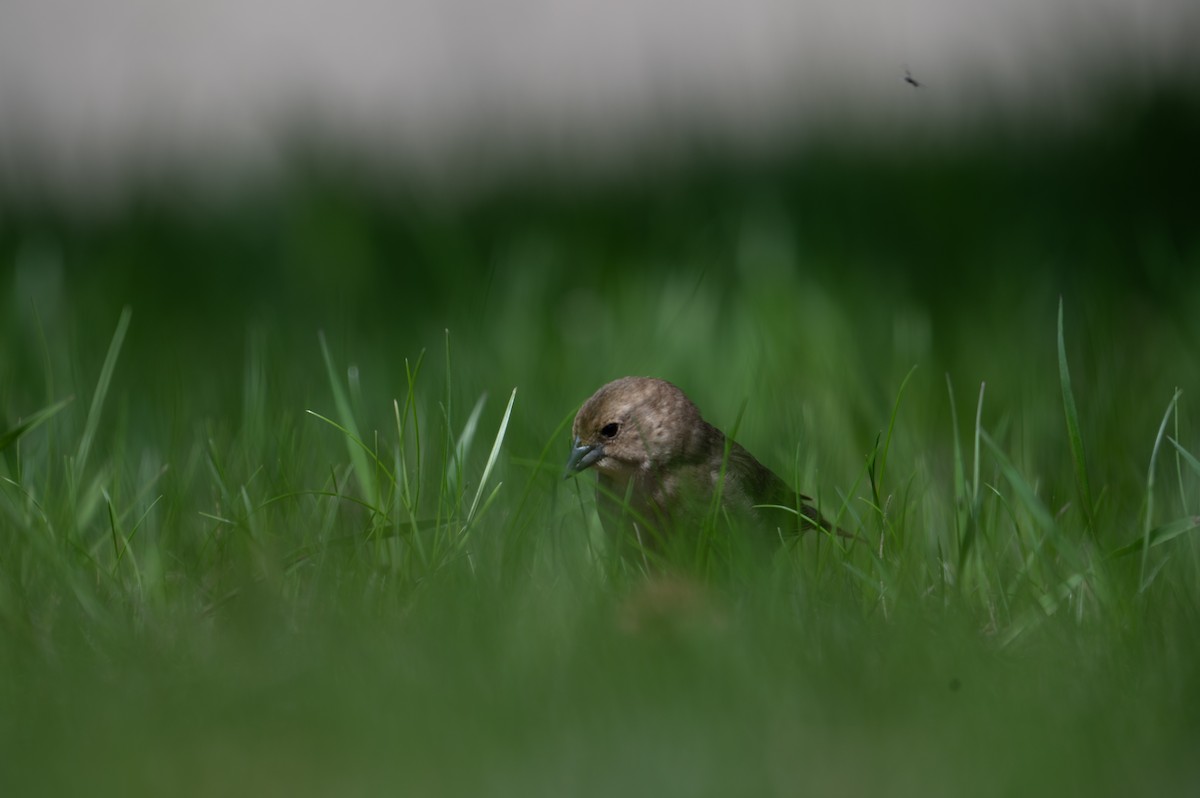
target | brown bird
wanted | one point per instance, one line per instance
(661, 465)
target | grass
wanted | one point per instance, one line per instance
(322, 541)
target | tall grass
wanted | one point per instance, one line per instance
(416, 531)
(278, 560)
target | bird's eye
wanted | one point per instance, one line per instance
(609, 430)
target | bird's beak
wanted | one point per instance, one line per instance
(582, 456)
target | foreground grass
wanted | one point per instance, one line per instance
(364, 596)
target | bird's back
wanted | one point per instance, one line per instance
(766, 492)
(681, 493)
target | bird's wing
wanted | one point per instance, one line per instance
(762, 486)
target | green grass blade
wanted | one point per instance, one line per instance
(887, 442)
(969, 504)
(410, 404)
(354, 445)
(1188, 457)
(1073, 434)
(978, 433)
(972, 529)
(112, 526)
(13, 435)
(102, 385)
(1183, 497)
(1149, 516)
(1159, 535)
(353, 438)
(462, 446)
(1041, 515)
(960, 475)
(493, 456)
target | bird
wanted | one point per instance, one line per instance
(661, 467)
(910, 80)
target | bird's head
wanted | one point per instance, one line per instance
(633, 424)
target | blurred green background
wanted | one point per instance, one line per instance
(181, 611)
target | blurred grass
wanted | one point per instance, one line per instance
(205, 588)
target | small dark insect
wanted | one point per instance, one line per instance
(910, 80)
